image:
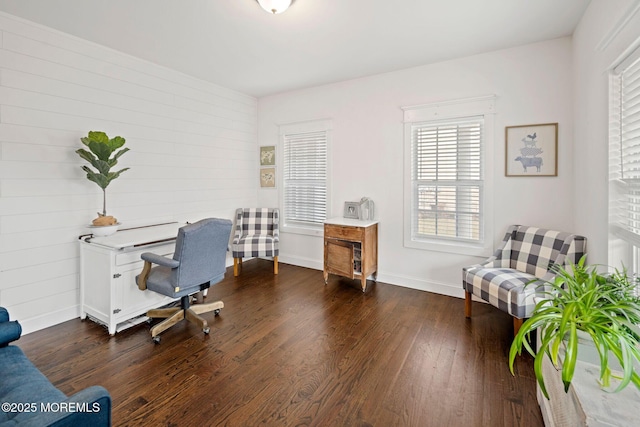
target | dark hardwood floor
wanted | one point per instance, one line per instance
(288, 350)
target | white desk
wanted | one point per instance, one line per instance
(108, 267)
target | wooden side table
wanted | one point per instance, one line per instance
(351, 249)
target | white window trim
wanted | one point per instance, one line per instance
(624, 244)
(320, 125)
(451, 110)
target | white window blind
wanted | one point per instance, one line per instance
(624, 144)
(305, 178)
(447, 179)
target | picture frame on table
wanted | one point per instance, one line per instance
(351, 210)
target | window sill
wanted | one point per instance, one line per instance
(474, 249)
(308, 231)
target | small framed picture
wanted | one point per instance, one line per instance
(268, 155)
(268, 177)
(351, 210)
(531, 150)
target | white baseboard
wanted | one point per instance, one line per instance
(452, 290)
(301, 262)
(37, 323)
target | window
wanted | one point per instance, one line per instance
(447, 180)
(305, 176)
(624, 166)
(446, 190)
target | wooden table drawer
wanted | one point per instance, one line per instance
(341, 232)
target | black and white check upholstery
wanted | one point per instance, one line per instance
(526, 254)
(257, 234)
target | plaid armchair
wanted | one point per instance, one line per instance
(257, 234)
(526, 254)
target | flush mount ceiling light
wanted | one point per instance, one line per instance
(275, 6)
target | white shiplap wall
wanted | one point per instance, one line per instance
(193, 154)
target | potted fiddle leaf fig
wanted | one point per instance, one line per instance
(585, 306)
(103, 154)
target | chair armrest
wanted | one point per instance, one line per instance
(149, 258)
(501, 257)
(9, 331)
(237, 228)
(495, 262)
(276, 225)
(4, 315)
(91, 406)
(160, 260)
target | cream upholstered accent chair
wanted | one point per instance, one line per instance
(198, 262)
(257, 234)
(525, 255)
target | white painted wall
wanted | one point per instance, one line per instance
(193, 155)
(607, 29)
(533, 84)
(194, 149)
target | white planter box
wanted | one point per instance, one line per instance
(586, 403)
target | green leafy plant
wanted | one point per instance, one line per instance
(604, 307)
(103, 154)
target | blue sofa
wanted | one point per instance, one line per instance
(27, 398)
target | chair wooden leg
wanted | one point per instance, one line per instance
(235, 267)
(275, 265)
(167, 323)
(467, 304)
(193, 317)
(517, 323)
(205, 308)
(162, 313)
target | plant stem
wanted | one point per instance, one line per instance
(104, 202)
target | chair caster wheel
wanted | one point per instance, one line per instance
(206, 331)
(216, 312)
(156, 339)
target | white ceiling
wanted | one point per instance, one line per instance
(236, 44)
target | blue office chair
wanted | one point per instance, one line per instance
(198, 262)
